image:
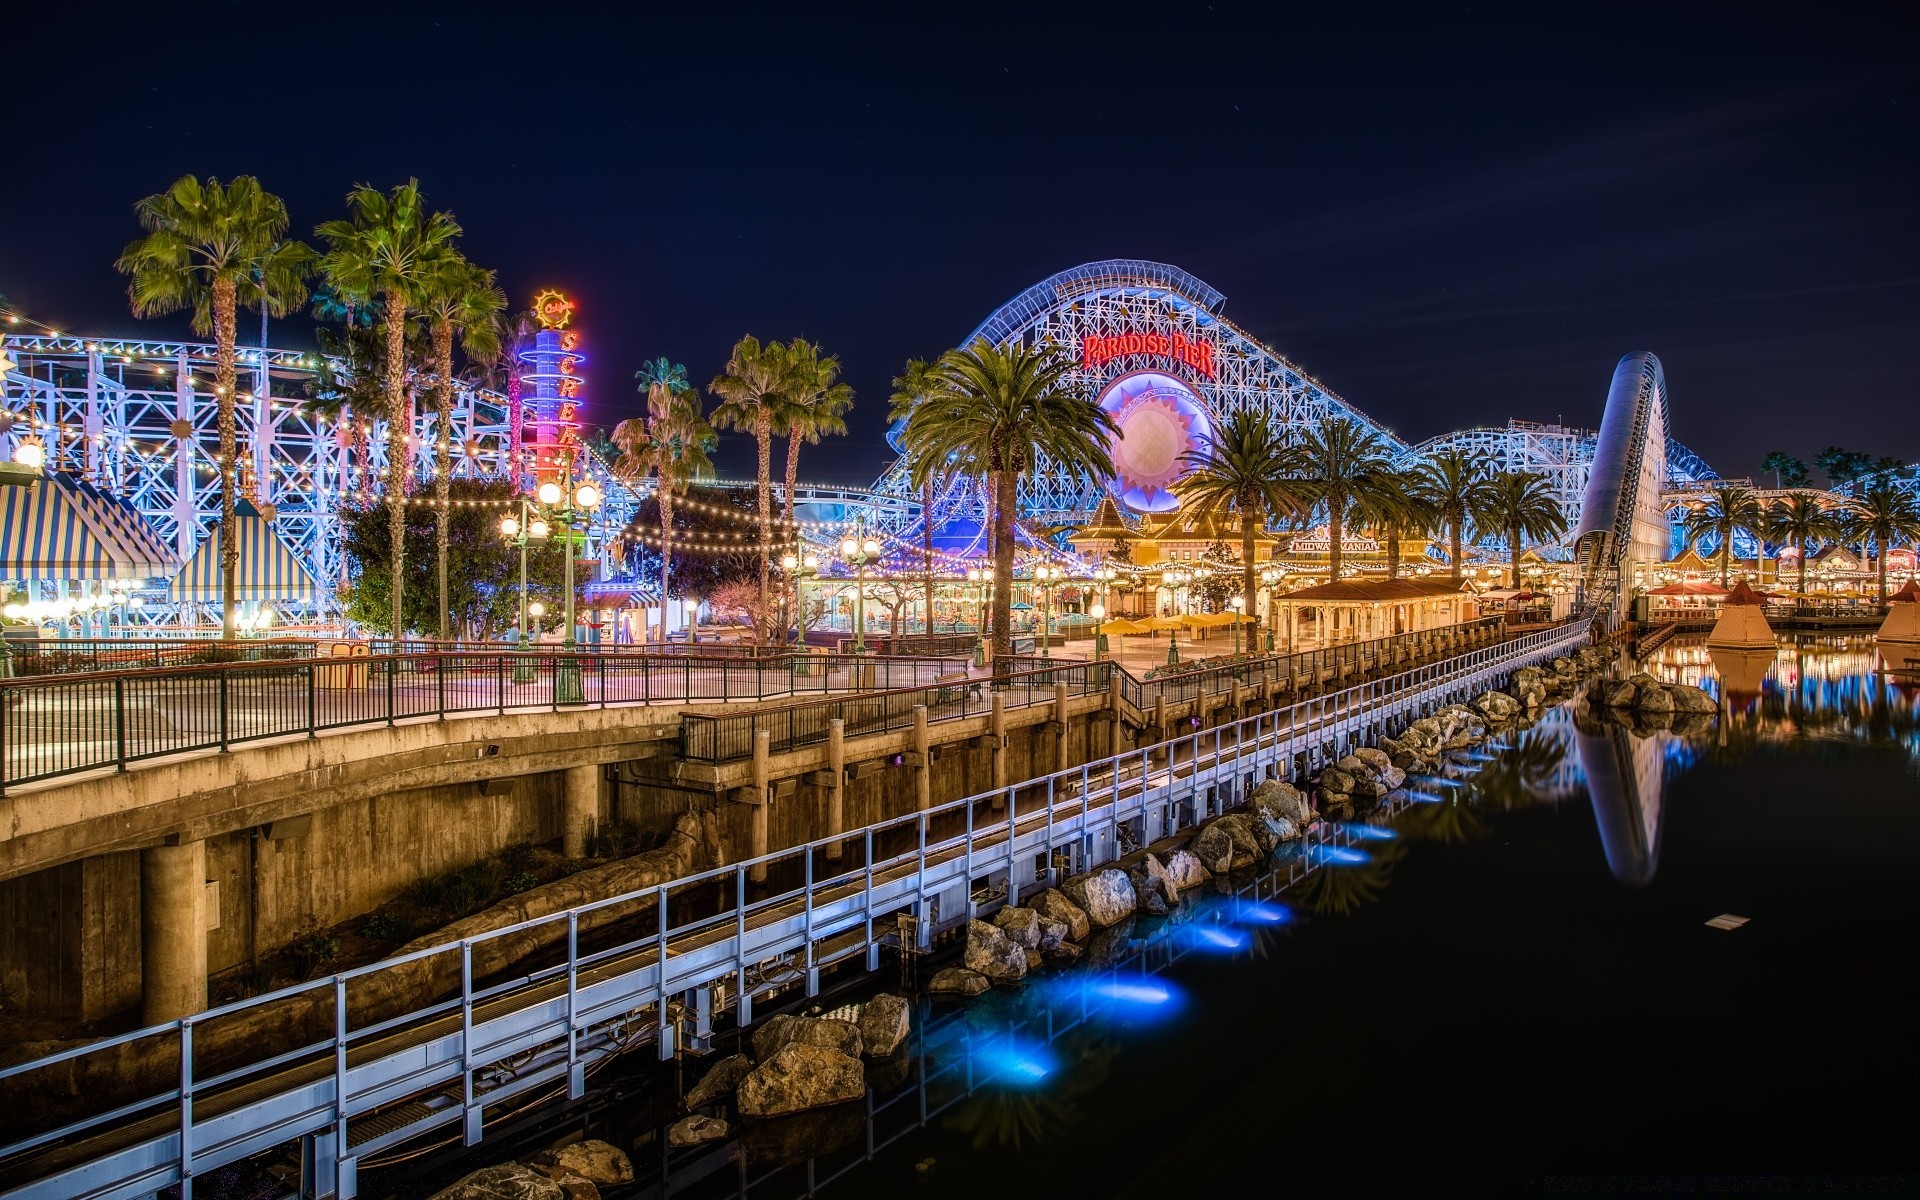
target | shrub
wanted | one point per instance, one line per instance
(313, 952)
(518, 857)
(520, 881)
(381, 926)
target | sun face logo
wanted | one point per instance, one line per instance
(1160, 422)
(552, 309)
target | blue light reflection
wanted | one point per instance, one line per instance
(1370, 833)
(1014, 1062)
(1262, 913)
(1214, 939)
(1341, 856)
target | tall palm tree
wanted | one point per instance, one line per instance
(673, 443)
(1729, 509)
(909, 388)
(386, 249)
(214, 248)
(752, 388)
(1245, 466)
(1396, 509)
(816, 405)
(1887, 516)
(998, 410)
(1454, 487)
(1522, 505)
(461, 299)
(1341, 462)
(1799, 520)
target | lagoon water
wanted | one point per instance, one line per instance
(1511, 988)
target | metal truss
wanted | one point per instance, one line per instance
(139, 419)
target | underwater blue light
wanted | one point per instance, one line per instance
(1370, 833)
(1437, 781)
(1015, 1063)
(1132, 991)
(1262, 913)
(1423, 797)
(1215, 939)
(1343, 856)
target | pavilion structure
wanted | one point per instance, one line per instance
(1361, 609)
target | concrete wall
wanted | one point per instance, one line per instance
(70, 938)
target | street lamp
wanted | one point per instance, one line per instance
(799, 569)
(536, 610)
(1238, 604)
(857, 551)
(1272, 576)
(1103, 579)
(693, 619)
(1099, 614)
(521, 529)
(979, 579)
(1172, 580)
(1045, 578)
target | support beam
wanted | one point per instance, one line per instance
(173, 931)
(922, 759)
(999, 727)
(581, 818)
(1060, 762)
(762, 797)
(837, 790)
(1113, 712)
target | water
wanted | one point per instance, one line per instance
(1511, 988)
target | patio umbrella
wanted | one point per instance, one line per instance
(1166, 623)
(1122, 627)
(1020, 606)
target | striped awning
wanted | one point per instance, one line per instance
(267, 570)
(60, 528)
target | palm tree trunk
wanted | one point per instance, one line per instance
(763, 436)
(224, 291)
(1726, 556)
(1803, 570)
(788, 535)
(1004, 498)
(926, 543)
(1246, 576)
(397, 452)
(1513, 546)
(443, 458)
(1393, 551)
(1336, 513)
(666, 553)
(1881, 558)
(1453, 544)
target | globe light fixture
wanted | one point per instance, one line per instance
(549, 493)
(586, 496)
(31, 455)
(537, 529)
(510, 527)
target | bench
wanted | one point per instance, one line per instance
(953, 689)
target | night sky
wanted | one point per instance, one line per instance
(1449, 216)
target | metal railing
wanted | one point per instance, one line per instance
(604, 972)
(729, 737)
(53, 725)
(62, 656)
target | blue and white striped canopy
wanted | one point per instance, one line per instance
(267, 570)
(60, 528)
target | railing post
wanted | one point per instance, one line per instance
(223, 708)
(440, 684)
(119, 721)
(313, 694)
(391, 664)
(186, 1108)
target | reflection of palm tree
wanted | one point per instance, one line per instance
(1013, 1118)
(1343, 890)
(1519, 776)
(1451, 821)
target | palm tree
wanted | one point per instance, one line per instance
(1395, 508)
(1886, 515)
(1522, 505)
(460, 298)
(386, 250)
(1798, 520)
(1729, 509)
(1341, 462)
(752, 388)
(816, 403)
(214, 248)
(673, 444)
(999, 410)
(909, 388)
(1245, 466)
(1454, 487)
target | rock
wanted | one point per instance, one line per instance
(1151, 894)
(1336, 781)
(1498, 706)
(1654, 700)
(1355, 766)
(1278, 828)
(1213, 848)
(1186, 870)
(1393, 778)
(508, 1181)
(958, 981)
(1105, 895)
(600, 1163)
(799, 1077)
(1281, 799)
(1034, 961)
(885, 1022)
(1692, 724)
(1052, 935)
(1066, 951)
(883, 1075)
(1376, 760)
(1688, 699)
(786, 1029)
(1266, 836)
(1053, 905)
(1156, 870)
(696, 1130)
(1020, 924)
(1246, 844)
(1110, 945)
(1367, 788)
(993, 954)
(1616, 693)
(719, 1083)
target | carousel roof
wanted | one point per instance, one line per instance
(1106, 526)
(1378, 591)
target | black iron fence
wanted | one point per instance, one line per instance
(61, 656)
(729, 737)
(57, 724)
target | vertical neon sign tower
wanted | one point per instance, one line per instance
(552, 389)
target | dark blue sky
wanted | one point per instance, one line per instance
(1450, 215)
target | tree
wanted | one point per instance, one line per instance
(460, 298)
(1788, 471)
(752, 388)
(1244, 467)
(1887, 516)
(1341, 462)
(1522, 505)
(815, 404)
(1454, 488)
(215, 248)
(672, 443)
(998, 410)
(909, 388)
(1843, 466)
(1396, 508)
(1729, 509)
(1799, 520)
(345, 388)
(483, 596)
(385, 249)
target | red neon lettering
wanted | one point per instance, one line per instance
(1197, 353)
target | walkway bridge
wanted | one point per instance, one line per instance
(320, 1064)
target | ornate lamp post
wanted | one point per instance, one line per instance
(1099, 613)
(1045, 579)
(799, 569)
(1271, 577)
(536, 610)
(979, 578)
(857, 551)
(1172, 580)
(693, 620)
(569, 508)
(529, 526)
(1237, 604)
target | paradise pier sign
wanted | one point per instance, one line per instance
(1096, 349)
